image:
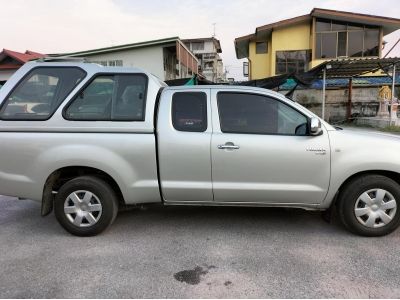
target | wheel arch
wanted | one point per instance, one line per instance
(390, 174)
(58, 177)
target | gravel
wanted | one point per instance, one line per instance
(194, 252)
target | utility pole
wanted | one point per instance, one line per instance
(393, 86)
(323, 92)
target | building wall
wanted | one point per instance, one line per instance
(6, 74)
(216, 73)
(296, 37)
(260, 64)
(290, 38)
(149, 59)
(209, 47)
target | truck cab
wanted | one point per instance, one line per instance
(239, 146)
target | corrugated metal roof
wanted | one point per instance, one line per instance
(350, 67)
(120, 47)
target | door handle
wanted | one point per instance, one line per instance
(229, 146)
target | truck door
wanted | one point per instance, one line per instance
(262, 152)
(184, 131)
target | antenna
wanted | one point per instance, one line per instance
(214, 29)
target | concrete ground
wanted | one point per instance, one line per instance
(186, 252)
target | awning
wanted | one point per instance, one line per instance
(351, 67)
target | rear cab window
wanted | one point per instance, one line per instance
(38, 95)
(189, 111)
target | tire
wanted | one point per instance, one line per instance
(369, 205)
(86, 206)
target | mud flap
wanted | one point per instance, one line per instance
(48, 196)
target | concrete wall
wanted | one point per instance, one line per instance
(149, 59)
(364, 102)
(209, 47)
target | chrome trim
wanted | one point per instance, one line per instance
(231, 147)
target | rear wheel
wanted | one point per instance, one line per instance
(368, 205)
(86, 206)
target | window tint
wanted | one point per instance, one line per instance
(40, 93)
(257, 114)
(342, 43)
(355, 43)
(189, 111)
(323, 25)
(371, 43)
(110, 98)
(328, 44)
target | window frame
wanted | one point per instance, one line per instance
(308, 53)
(267, 96)
(350, 27)
(88, 82)
(5, 100)
(200, 43)
(205, 127)
(266, 47)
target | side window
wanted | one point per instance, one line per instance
(110, 98)
(189, 111)
(94, 102)
(40, 93)
(257, 114)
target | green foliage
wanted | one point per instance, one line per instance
(392, 128)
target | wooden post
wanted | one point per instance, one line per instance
(349, 99)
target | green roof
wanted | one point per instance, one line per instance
(122, 47)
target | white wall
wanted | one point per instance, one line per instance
(149, 59)
(208, 48)
(6, 74)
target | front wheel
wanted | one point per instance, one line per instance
(368, 205)
(86, 206)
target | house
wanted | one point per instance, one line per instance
(301, 43)
(166, 58)
(11, 61)
(207, 51)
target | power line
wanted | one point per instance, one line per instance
(392, 48)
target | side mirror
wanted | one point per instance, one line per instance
(315, 126)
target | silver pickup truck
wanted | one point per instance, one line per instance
(85, 139)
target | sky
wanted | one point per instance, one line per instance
(57, 26)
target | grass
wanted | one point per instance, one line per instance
(392, 129)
